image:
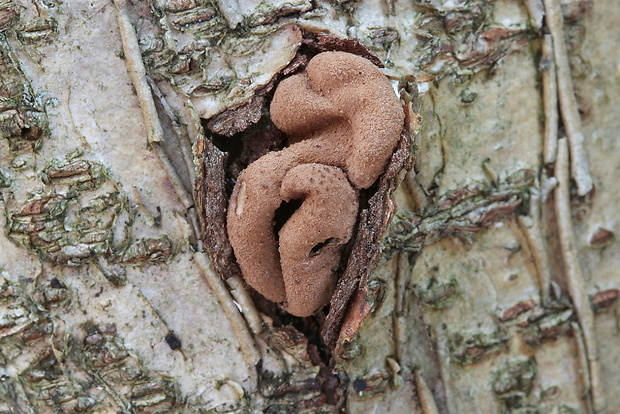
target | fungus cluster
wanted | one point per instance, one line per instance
(343, 121)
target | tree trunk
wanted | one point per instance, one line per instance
(122, 125)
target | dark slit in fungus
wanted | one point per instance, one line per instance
(283, 213)
(317, 247)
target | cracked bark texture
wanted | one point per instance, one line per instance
(496, 284)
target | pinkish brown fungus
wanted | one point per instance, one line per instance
(343, 121)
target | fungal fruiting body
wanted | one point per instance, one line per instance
(343, 121)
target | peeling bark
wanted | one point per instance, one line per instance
(485, 282)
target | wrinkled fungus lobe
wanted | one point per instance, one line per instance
(343, 121)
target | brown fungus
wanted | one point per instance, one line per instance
(343, 121)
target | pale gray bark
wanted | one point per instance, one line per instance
(496, 288)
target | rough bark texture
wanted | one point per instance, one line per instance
(495, 283)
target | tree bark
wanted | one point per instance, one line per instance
(495, 286)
